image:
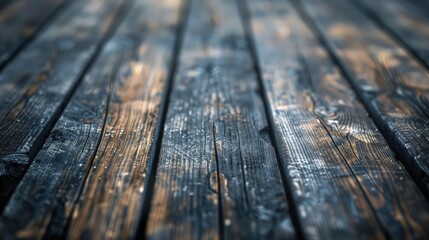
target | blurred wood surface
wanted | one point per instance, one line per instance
(214, 119)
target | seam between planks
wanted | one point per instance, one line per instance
(56, 13)
(152, 165)
(219, 189)
(244, 14)
(91, 159)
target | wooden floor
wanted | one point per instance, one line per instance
(214, 119)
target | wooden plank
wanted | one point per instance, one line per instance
(217, 175)
(346, 181)
(20, 21)
(39, 81)
(405, 21)
(391, 83)
(111, 201)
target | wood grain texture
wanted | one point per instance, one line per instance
(55, 178)
(38, 82)
(392, 84)
(405, 21)
(20, 21)
(346, 181)
(217, 175)
(111, 200)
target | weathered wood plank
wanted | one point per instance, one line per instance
(217, 175)
(38, 82)
(55, 178)
(346, 181)
(111, 201)
(392, 84)
(407, 22)
(19, 22)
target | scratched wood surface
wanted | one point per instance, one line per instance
(35, 91)
(214, 119)
(116, 88)
(111, 200)
(217, 172)
(325, 132)
(389, 80)
(20, 20)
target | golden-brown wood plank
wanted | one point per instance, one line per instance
(346, 181)
(217, 175)
(111, 201)
(37, 84)
(404, 20)
(20, 20)
(392, 84)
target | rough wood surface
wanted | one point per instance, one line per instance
(329, 143)
(217, 174)
(38, 82)
(406, 21)
(20, 21)
(56, 176)
(391, 83)
(111, 200)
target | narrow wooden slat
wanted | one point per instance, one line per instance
(20, 21)
(111, 201)
(346, 181)
(217, 175)
(38, 82)
(407, 22)
(391, 83)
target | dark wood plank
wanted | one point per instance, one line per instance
(346, 181)
(111, 201)
(38, 82)
(19, 22)
(217, 175)
(392, 84)
(405, 21)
